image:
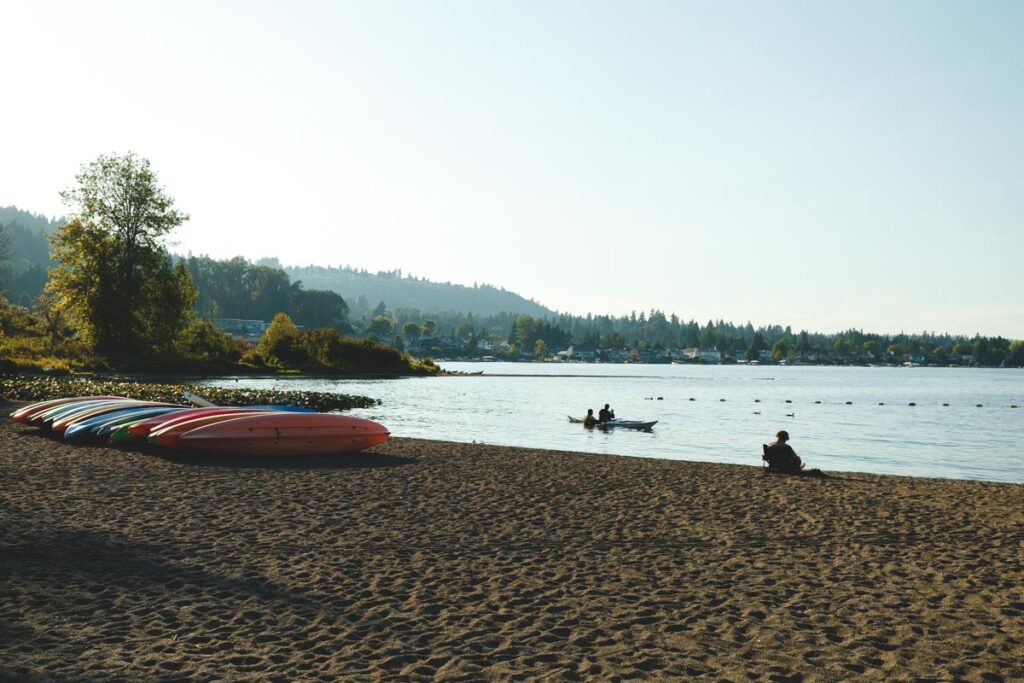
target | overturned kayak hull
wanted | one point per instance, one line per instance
(286, 434)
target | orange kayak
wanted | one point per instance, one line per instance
(279, 433)
(169, 434)
(144, 428)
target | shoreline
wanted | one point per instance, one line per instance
(428, 560)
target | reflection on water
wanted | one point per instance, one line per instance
(720, 413)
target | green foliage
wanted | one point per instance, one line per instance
(756, 346)
(325, 350)
(201, 341)
(24, 261)
(1015, 354)
(113, 275)
(238, 289)
(781, 349)
(380, 327)
(282, 344)
(45, 388)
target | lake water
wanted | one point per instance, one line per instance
(839, 418)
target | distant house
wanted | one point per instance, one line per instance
(246, 330)
(703, 355)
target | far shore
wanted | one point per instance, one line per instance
(427, 560)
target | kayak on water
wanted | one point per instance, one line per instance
(625, 424)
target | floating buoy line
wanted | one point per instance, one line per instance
(911, 404)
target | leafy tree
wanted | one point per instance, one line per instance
(780, 349)
(803, 345)
(380, 327)
(200, 340)
(320, 308)
(112, 272)
(540, 350)
(1015, 358)
(282, 342)
(324, 345)
(52, 320)
(172, 305)
(411, 330)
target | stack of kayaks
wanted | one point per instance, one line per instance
(250, 430)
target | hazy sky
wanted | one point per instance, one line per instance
(824, 165)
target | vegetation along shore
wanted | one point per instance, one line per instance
(45, 388)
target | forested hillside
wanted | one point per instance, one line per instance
(24, 252)
(363, 291)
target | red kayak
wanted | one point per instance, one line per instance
(169, 434)
(279, 433)
(141, 430)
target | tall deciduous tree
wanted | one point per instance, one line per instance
(114, 275)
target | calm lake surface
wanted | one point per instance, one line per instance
(719, 413)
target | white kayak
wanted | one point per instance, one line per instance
(624, 424)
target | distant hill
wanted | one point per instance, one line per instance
(362, 289)
(29, 253)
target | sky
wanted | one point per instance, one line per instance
(825, 166)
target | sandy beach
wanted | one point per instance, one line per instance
(428, 560)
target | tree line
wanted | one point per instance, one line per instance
(104, 280)
(653, 335)
(115, 297)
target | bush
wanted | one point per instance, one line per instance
(201, 341)
(282, 344)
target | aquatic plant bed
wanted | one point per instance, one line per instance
(45, 388)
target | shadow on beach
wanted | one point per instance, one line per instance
(309, 462)
(341, 461)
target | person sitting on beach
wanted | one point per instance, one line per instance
(781, 457)
(606, 414)
(589, 420)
